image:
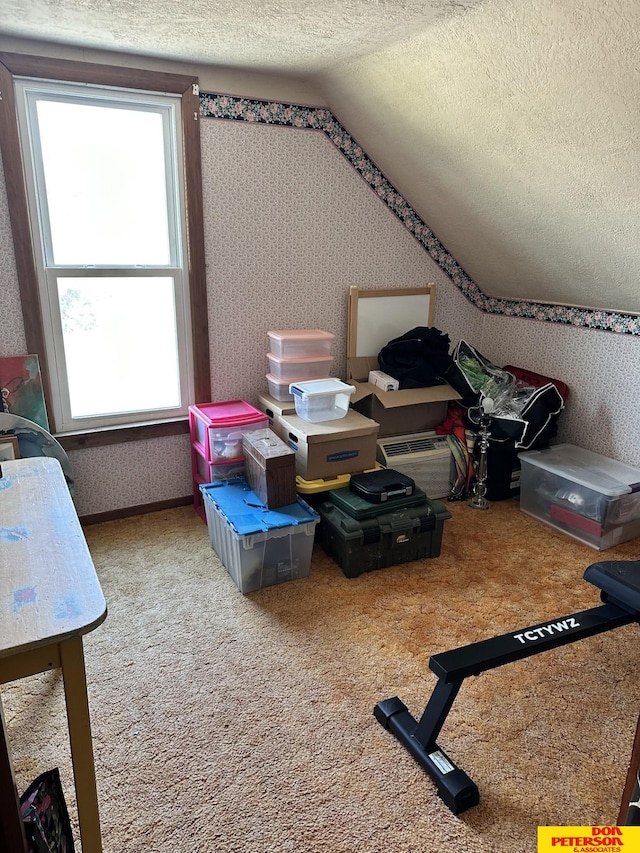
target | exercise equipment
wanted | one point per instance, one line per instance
(619, 584)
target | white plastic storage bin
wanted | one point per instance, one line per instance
(300, 343)
(588, 496)
(321, 399)
(258, 546)
(296, 369)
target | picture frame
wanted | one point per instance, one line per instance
(21, 389)
(9, 448)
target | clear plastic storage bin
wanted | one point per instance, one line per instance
(321, 400)
(216, 428)
(300, 343)
(258, 546)
(296, 369)
(279, 389)
(588, 496)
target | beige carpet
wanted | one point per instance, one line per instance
(226, 723)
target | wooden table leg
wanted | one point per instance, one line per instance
(75, 688)
(12, 834)
(632, 775)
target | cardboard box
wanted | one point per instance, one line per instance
(375, 318)
(275, 409)
(400, 412)
(331, 448)
(270, 468)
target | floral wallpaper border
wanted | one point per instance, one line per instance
(318, 118)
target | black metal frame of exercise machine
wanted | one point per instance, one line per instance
(619, 583)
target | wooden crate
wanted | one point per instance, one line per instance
(270, 467)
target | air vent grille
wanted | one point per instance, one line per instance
(415, 445)
(424, 456)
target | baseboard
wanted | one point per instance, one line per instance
(128, 511)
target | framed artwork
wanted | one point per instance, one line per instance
(9, 448)
(21, 389)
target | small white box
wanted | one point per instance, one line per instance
(588, 496)
(383, 380)
(321, 400)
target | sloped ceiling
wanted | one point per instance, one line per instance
(511, 126)
(296, 36)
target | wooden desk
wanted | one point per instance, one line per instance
(50, 597)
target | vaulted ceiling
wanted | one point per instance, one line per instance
(296, 36)
(510, 126)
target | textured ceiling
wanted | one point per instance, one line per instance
(510, 126)
(295, 36)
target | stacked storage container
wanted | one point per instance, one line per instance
(216, 442)
(309, 410)
(258, 546)
(297, 355)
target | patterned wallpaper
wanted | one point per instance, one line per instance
(12, 340)
(291, 222)
(290, 115)
(290, 227)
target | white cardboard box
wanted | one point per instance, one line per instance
(383, 380)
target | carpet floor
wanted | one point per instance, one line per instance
(230, 723)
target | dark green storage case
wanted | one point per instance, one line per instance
(361, 545)
(358, 507)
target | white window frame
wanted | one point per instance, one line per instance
(48, 272)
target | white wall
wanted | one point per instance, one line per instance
(513, 130)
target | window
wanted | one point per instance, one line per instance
(112, 197)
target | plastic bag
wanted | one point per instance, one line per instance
(522, 414)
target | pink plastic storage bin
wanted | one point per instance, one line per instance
(216, 428)
(300, 343)
(295, 369)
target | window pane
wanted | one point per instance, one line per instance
(115, 362)
(105, 177)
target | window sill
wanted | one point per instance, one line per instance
(119, 434)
